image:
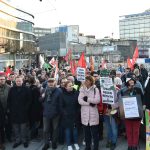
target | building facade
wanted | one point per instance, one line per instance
(41, 31)
(58, 41)
(16, 35)
(137, 27)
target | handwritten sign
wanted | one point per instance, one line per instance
(107, 90)
(80, 74)
(130, 107)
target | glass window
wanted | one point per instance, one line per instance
(141, 25)
(141, 21)
(131, 31)
(136, 26)
(135, 21)
(15, 12)
(147, 30)
(147, 25)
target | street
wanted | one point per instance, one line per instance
(37, 145)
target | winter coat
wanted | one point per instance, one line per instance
(53, 107)
(36, 105)
(89, 114)
(2, 116)
(3, 95)
(144, 74)
(147, 95)
(70, 109)
(135, 92)
(19, 104)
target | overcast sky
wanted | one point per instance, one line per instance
(94, 17)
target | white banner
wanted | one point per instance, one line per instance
(130, 107)
(80, 74)
(107, 90)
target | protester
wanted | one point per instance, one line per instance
(4, 89)
(133, 124)
(52, 109)
(100, 105)
(71, 114)
(147, 93)
(19, 103)
(88, 98)
(2, 117)
(144, 72)
(35, 114)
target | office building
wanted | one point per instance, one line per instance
(16, 35)
(137, 27)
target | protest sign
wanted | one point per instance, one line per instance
(107, 90)
(130, 107)
(147, 116)
(80, 74)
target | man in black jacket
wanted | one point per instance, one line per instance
(19, 103)
(52, 108)
(143, 72)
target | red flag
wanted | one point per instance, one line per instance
(129, 63)
(8, 71)
(68, 56)
(82, 62)
(91, 64)
(72, 67)
(52, 62)
(135, 55)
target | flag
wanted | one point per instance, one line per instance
(82, 62)
(91, 63)
(52, 62)
(46, 66)
(56, 70)
(135, 55)
(73, 67)
(129, 63)
(68, 56)
(41, 61)
(8, 71)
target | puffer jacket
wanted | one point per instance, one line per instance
(89, 114)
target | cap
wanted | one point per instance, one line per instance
(128, 79)
(51, 79)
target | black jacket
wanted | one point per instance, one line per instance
(53, 107)
(36, 105)
(135, 92)
(144, 74)
(2, 116)
(19, 104)
(147, 95)
(70, 109)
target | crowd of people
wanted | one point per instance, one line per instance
(65, 108)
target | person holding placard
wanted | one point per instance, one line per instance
(132, 98)
(111, 115)
(88, 98)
